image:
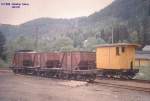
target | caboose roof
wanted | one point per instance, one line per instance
(118, 44)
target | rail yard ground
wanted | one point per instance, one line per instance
(29, 88)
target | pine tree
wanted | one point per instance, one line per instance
(2, 46)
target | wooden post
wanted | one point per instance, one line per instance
(112, 35)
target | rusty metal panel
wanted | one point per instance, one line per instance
(65, 60)
(43, 58)
(22, 59)
(87, 60)
(77, 60)
(36, 59)
(49, 60)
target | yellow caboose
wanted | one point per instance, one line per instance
(116, 59)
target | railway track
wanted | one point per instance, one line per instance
(117, 84)
(128, 80)
(141, 81)
(4, 70)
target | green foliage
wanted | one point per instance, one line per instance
(91, 43)
(63, 44)
(3, 54)
(129, 20)
(3, 63)
(100, 41)
(2, 46)
(126, 18)
(134, 37)
(21, 43)
(24, 43)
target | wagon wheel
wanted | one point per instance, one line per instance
(124, 77)
(130, 77)
(91, 78)
(59, 75)
(15, 71)
(79, 77)
(74, 77)
(42, 74)
(53, 74)
(22, 71)
(65, 76)
(46, 74)
(84, 78)
(32, 72)
(37, 73)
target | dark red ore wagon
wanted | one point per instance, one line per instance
(27, 59)
(66, 65)
(78, 64)
(78, 60)
(49, 60)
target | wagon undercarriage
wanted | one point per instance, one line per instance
(82, 75)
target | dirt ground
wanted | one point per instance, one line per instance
(28, 88)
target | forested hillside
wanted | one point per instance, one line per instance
(128, 20)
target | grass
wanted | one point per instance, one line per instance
(3, 64)
(144, 73)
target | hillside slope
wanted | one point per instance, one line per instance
(126, 16)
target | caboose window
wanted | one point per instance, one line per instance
(123, 49)
(117, 51)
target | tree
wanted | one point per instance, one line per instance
(2, 46)
(92, 42)
(63, 44)
(134, 37)
(24, 43)
(21, 43)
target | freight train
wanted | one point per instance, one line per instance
(75, 65)
(109, 60)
